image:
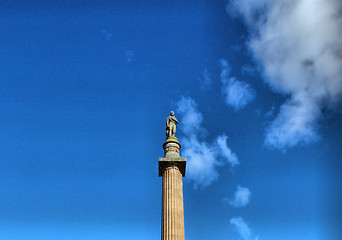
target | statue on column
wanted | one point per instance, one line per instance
(171, 125)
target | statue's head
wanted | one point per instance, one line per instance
(172, 113)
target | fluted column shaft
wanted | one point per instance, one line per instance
(172, 205)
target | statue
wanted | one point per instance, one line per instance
(171, 125)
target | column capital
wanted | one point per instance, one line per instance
(171, 156)
(168, 162)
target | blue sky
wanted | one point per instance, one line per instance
(86, 88)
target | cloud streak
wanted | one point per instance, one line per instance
(205, 80)
(237, 93)
(242, 228)
(298, 46)
(204, 158)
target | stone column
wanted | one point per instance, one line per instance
(172, 169)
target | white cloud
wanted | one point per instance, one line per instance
(191, 117)
(295, 124)
(298, 46)
(203, 158)
(242, 228)
(237, 93)
(225, 151)
(241, 197)
(202, 162)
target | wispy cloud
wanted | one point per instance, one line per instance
(203, 158)
(248, 70)
(205, 80)
(298, 46)
(270, 113)
(237, 93)
(108, 35)
(225, 151)
(295, 124)
(241, 197)
(242, 228)
(191, 117)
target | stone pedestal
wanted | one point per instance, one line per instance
(172, 169)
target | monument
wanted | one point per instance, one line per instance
(172, 169)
